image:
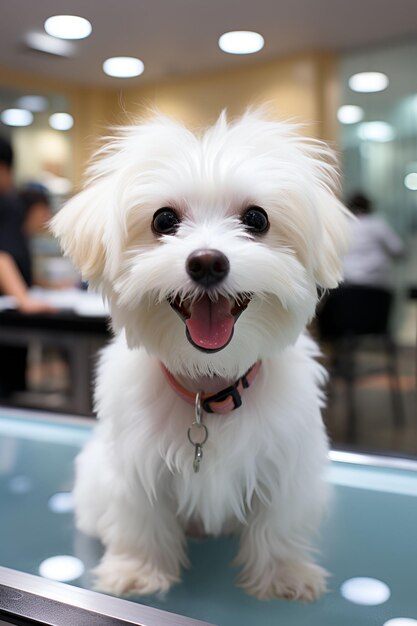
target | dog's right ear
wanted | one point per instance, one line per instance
(80, 227)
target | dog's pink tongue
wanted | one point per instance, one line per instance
(211, 323)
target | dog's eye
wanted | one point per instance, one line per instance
(165, 221)
(255, 219)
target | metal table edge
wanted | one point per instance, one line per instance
(116, 608)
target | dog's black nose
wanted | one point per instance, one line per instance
(207, 267)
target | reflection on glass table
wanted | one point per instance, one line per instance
(368, 542)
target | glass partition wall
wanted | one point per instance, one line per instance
(372, 395)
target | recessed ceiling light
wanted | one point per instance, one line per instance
(365, 591)
(16, 117)
(68, 27)
(368, 82)
(50, 45)
(241, 42)
(349, 114)
(61, 502)
(62, 568)
(376, 131)
(61, 121)
(123, 67)
(32, 103)
(410, 181)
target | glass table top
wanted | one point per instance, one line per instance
(368, 543)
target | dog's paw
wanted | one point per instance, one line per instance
(299, 580)
(119, 574)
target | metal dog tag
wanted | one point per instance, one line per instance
(197, 457)
(197, 433)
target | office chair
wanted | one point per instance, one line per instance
(345, 317)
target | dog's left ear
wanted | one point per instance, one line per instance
(335, 224)
(81, 227)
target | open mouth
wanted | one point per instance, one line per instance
(210, 323)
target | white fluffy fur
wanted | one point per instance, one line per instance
(262, 471)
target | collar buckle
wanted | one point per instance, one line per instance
(221, 396)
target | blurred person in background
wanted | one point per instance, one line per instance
(37, 209)
(20, 217)
(373, 246)
(17, 222)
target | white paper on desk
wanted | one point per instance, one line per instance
(7, 302)
(85, 303)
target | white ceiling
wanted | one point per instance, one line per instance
(176, 37)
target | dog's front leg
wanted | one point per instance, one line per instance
(144, 546)
(274, 552)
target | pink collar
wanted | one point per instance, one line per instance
(223, 401)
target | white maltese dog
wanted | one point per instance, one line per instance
(209, 250)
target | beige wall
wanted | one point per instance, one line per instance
(36, 147)
(301, 88)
